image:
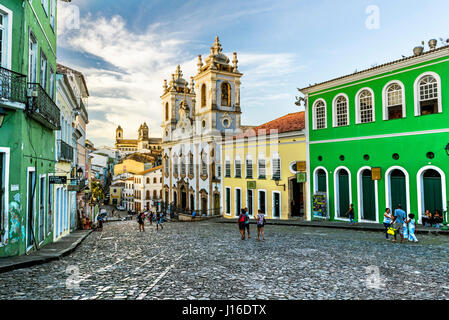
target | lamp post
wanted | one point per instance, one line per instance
(2, 116)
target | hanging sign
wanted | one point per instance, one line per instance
(301, 177)
(251, 185)
(301, 166)
(57, 179)
(376, 174)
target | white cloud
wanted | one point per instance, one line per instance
(127, 87)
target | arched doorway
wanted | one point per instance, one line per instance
(175, 199)
(192, 202)
(432, 191)
(342, 192)
(398, 190)
(367, 196)
(183, 198)
(321, 177)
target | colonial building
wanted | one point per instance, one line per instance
(143, 143)
(134, 163)
(196, 116)
(29, 119)
(379, 138)
(147, 187)
(262, 170)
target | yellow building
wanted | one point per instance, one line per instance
(134, 164)
(115, 193)
(143, 142)
(261, 170)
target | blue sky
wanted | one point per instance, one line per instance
(126, 48)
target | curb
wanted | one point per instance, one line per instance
(38, 260)
(345, 227)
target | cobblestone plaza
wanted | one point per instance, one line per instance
(207, 260)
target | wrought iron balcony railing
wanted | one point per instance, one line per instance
(12, 86)
(65, 151)
(42, 108)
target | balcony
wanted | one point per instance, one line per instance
(65, 151)
(12, 86)
(42, 108)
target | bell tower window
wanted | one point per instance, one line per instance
(226, 94)
(203, 96)
(166, 112)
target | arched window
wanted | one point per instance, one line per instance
(428, 94)
(226, 94)
(394, 104)
(166, 112)
(154, 180)
(183, 165)
(148, 194)
(341, 115)
(191, 164)
(365, 106)
(320, 115)
(203, 96)
(154, 194)
(203, 164)
(148, 180)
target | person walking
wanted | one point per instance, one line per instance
(241, 222)
(411, 228)
(387, 221)
(260, 225)
(398, 222)
(247, 221)
(351, 215)
(159, 221)
(141, 221)
(151, 218)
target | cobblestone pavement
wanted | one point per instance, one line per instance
(207, 260)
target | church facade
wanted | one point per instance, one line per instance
(143, 143)
(196, 117)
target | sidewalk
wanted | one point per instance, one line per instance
(338, 225)
(50, 252)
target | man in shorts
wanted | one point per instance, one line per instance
(398, 222)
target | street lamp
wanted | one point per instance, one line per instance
(79, 173)
(2, 116)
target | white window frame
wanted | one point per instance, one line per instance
(360, 195)
(235, 201)
(280, 205)
(43, 75)
(388, 186)
(226, 201)
(42, 176)
(357, 103)
(249, 158)
(385, 99)
(30, 169)
(247, 201)
(32, 64)
(52, 14)
(5, 153)
(276, 156)
(314, 120)
(417, 92)
(45, 6)
(337, 194)
(235, 167)
(228, 162)
(334, 110)
(261, 158)
(7, 41)
(420, 184)
(258, 200)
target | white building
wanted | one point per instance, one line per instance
(196, 117)
(147, 187)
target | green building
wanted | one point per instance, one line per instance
(30, 117)
(380, 137)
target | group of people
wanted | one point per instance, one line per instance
(432, 220)
(158, 218)
(244, 222)
(400, 223)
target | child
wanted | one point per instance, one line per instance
(260, 225)
(411, 228)
(351, 215)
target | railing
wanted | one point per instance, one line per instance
(13, 86)
(42, 108)
(65, 151)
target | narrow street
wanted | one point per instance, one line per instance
(207, 260)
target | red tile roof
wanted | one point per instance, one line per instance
(288, 123)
